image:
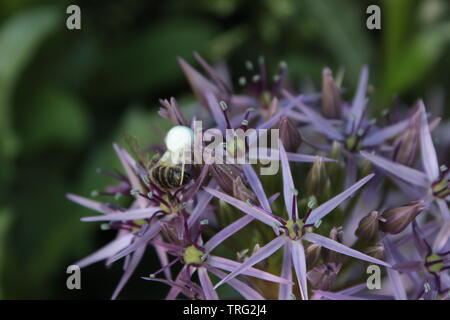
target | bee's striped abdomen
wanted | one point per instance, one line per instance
(168, 177)
(172, 178)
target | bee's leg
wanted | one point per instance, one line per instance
(182, 174)
(179, 157)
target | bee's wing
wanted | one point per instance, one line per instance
(137, 151)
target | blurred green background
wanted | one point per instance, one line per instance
(65, 96)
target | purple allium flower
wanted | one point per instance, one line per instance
(429, 268)
(195, 256)
(131, 224)
(349, 124)
(228, 222)
(433, 183)
(293, 231)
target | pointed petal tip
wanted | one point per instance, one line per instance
(71, 196)
(181, 60)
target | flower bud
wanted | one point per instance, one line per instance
(335, 169)
(323, 276)
(376, 251)
(368, 227)
(397, 219)
(333, 256)
(335, 152)
(405, 145)
(317, 180)
(312, 252)
(289, 135)
(227, 179)
(331, 100)
(241, 192)
(336, 234)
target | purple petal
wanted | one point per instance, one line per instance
(288, 183)
(427, 150)
(403, 172)
(246, 291)
(359, 101)
(399, 258)
(443, 207)
(412, 191)
(274, 197)
(174, 249)
(394, 275)
(91, 204)
(192, 192)
(134, 179)
(351, 171)
(355, 289)
(135, 214)
(275, 118)
(299, 157)
(285, 291)
(216, 111)
(273, 154)
(163, 259)
(322, 125)
(407, 266)
(107, 251)
(297, 116)
(336, 296)
(428, 229)
(331, 204)
(198, 82)
(340, 248)
(385, 134)
(230, 265)
(148, 235)
(445, 278)
(258, 256)
(245, 207)
(207, 286)
(184, 287)
(227, 232)
(299, 261)
(214, 74)
(175, 290)
(256, 186)
(442, 237)
(136, 258)
(203, 199)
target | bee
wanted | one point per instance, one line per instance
(166, 175)
(169, 171)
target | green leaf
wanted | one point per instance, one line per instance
(342, 31)
(54, 117)
(417, 58)
(20, 36)
(148, 60)
(397, 17)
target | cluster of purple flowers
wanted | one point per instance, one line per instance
(363, 192)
